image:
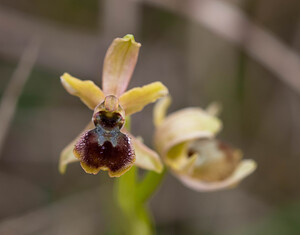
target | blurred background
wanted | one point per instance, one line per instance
(242, 53)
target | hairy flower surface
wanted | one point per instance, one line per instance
(186, 141)
(105, 144)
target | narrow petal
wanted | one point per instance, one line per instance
(245, 168)
(185, 125)
(67, 155)
(145, 157)
(160, 110)
(89, 93)
(119, 64)
(100, 151)
(136, 99)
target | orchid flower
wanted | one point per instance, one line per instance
(186, 142)
(105, 144)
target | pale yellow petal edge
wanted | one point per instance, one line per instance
(245, 168)
(146, 158)
(67, 156)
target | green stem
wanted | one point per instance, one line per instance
(149, 184)
(132, 196)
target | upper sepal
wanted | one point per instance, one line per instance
(119, 64)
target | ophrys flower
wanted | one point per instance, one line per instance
(185, 140)
(105, 144)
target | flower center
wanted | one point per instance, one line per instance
(109, 115)
(108, 120)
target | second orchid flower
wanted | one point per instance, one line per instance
(186, 141)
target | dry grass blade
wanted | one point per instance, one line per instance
(14, 88)
(232, 24)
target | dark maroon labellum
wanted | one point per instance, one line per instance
(105, 147)
(97, 151)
